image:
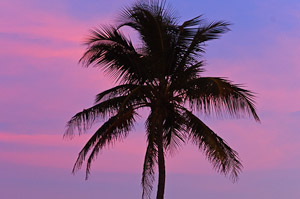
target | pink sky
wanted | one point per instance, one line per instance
(42, 86)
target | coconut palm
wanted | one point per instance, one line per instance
(164, 75)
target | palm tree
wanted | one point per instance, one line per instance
(164, 74)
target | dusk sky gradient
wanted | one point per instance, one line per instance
(42, 86)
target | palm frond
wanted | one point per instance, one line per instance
(211, 31)
(224, 159)
(116, 128)
(116, 91)
(109, 49)
(192, 22)
(187, 32)
(173, 127)
(114, 60)
(204, 33)
(218, 95)
(183, 75)
(85, 119)
(109, 34)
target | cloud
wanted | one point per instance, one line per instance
(37, 140)
(29, 29)
(52, 151)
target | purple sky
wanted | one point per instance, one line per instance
(42, 86)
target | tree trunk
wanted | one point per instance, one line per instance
(161, 167)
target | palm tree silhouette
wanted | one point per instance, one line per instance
(163, 74)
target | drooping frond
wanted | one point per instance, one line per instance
(224, 159)
(213, 94)
(115, 128)
(173, 127)
(86, 118)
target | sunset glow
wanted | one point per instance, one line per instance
(42, 86)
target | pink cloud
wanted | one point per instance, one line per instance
(126, 156)
(27, 21)
(38, 50)
(23, 18)
(55, 152)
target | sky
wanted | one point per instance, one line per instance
(42, 86)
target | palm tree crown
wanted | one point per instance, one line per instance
(163, 74)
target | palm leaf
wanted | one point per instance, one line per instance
(116, 91)
(85, 119)
(223, 158)
(116, 128)
(213, 94)
(174, 128)
(204, 33)
(109, 49)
